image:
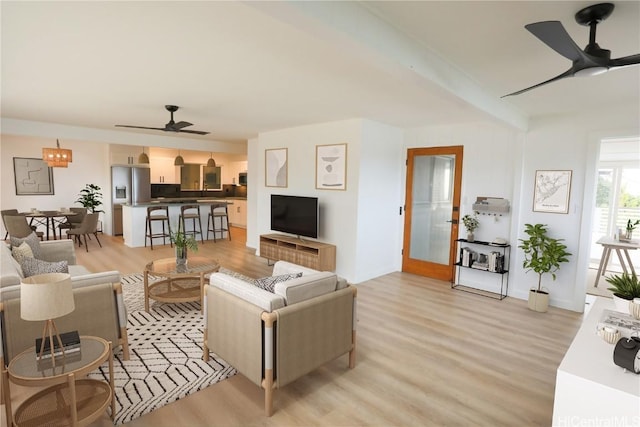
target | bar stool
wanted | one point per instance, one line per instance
(193, 216)
(151, 218)
(218, 210)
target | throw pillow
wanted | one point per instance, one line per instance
(31, 240)
(268, 283)
(33, 266)
(21, 252)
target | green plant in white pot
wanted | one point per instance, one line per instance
(625, 288)
(90, 198)
(543, 255)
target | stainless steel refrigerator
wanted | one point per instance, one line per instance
(129, 184)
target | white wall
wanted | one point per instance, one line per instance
(568, 143)
(361, 220)
(90, 166)
(489, 168)
(381, 157)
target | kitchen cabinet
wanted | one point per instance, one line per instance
(238, 213)
(163, 171)
(124, 154)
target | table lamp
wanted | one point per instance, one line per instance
(47, 297)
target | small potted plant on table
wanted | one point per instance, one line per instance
(183, 241)
(625, 288)
(630, 227)
(542, 254)
(471, 223)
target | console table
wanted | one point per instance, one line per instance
(590, 388)
(316, 255)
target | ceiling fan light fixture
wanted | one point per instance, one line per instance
(211, 163)
(143, 158)
(592, 71)
(179, 161)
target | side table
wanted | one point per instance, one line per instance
(69, 398)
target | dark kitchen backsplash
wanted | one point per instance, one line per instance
(173, 190)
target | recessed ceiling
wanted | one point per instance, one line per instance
(238, 69)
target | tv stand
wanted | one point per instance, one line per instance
(316, 255)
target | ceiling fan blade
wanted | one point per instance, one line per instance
(137, 127)
(625, 61)
(553, 34)
(568, 73)
(197, 132)
(181, 125)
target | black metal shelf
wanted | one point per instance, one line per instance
(504, 280)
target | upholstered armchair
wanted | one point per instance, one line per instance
(275, 338)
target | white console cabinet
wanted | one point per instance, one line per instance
(590, 389)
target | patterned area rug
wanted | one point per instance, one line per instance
(165, 355)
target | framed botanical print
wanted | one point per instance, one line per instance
(331, 167)
(552, 190)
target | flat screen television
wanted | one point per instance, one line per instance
(295, 215)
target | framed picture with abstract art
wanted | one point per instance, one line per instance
(331, 167)
(275, 167)
(32, 177)
(551, 192)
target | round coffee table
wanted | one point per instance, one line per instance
(178, 283)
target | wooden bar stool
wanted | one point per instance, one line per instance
(193, 216)
(162, 217)
(218, 210)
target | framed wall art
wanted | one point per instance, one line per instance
(275, 167)
(552, 190)
(32, 177)
(331, 167)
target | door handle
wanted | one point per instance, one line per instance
(453, 221)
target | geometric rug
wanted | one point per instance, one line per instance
(165, 347)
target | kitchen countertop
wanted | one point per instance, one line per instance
(183, 200)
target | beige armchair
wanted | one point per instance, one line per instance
(271, 347)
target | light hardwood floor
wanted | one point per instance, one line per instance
(426, 355)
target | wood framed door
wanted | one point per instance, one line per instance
(432, 211)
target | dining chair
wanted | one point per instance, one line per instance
(17, 226)
(72, 221)
(88, 226)
(7, 212)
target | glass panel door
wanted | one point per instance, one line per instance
(432, 211)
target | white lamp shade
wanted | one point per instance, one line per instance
(46, 296)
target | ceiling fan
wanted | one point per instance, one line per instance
(588, 62)
(172, 126)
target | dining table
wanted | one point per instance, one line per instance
(622, 248)
(50, 219)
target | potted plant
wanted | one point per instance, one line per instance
(625, 288)
(90, 198)
(630, 227)
(183, 241)
(471, 223)
(542, 254)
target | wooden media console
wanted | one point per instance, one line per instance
(316, 255)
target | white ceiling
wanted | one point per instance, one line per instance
(240, 68)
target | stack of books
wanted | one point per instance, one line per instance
(467, 256)
(70, 344)
(496, 262)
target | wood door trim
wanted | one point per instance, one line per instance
(420, 267)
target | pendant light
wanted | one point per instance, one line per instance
(211, 163)
(143, 158)
(179, 161)
(57, 157)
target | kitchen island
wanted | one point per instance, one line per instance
(134, 216)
